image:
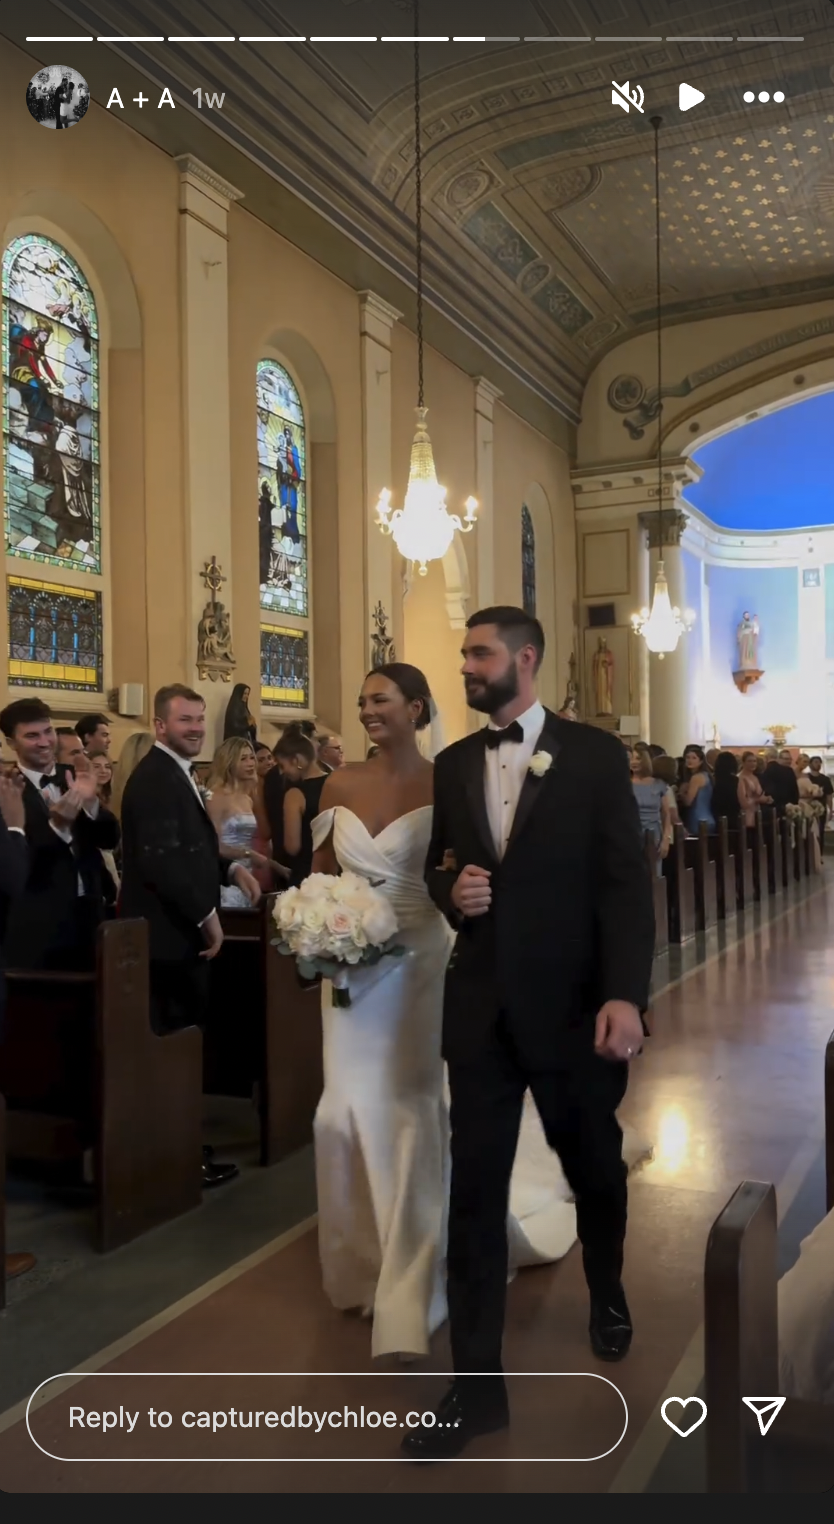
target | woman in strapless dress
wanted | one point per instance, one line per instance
(231, 785)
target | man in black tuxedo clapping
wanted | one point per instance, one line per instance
(53, 923)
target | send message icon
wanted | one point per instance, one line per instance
(765, 1409)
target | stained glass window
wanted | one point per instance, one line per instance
(51, 420)
(282, 492)
(528, 562)
(54, 636)
(285, 667)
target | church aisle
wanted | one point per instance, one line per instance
(730, 1086)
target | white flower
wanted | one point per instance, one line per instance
(314, 917)
(379, 922)
(341, 922)
(540, 764)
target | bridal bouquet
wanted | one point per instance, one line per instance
(331, 924)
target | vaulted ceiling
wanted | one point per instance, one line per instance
(538, 191)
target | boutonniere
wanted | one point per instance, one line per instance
(540, 764)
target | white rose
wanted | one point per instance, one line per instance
(313, 917)
(540, 764)
(315, 886)
(348, 887)
(379, 922)
(341, 922)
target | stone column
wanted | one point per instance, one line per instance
(383, 587)
(486, 396)
(808, 717)
(668, 684)
(205, 200)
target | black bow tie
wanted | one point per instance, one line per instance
(512, 732)
(48, 779)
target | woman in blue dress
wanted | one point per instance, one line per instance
(655, 801)
(695, 792)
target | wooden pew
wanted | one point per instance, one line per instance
(726, 874)
(661, 905)
(742, 851)
(263, 1033)
(761, 866)
(786, 831)
(742, 1348)
(773, 843)
(706, 895)
(680, 884)
(81, 1069)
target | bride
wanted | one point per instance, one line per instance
(381, 1128)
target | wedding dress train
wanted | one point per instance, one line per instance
(381, 1128)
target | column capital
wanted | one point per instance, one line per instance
(486, 396)
(664, 528)
(203, 192)
(376, 317)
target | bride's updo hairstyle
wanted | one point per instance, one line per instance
(412, 685)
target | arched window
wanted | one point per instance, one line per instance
(528, 562)
(52, 496)
(282, 540)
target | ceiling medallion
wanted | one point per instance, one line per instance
(568, 186)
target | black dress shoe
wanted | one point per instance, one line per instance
(208, 1153)
(461, 1417)
(217, 1174)
(610, 1326)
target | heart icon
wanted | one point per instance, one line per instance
(684, 1403)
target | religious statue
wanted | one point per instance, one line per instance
(568, 709)
(603, 674)
(748, 671)
(215, 657)
(382, 644)
(747, 636)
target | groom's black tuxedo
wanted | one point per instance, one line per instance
(571, 923)
(571, 926)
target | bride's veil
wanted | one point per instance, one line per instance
(432, 739)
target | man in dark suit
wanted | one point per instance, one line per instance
(14, 870)
(53, 923)
(551, 898)
(172, 871)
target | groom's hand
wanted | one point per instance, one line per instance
(619, 1031)
(471, 892)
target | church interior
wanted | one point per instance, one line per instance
(226, 290)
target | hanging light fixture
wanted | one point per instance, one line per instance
(662, 628)
(422, 529)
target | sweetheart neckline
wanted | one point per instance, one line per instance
(391, 823)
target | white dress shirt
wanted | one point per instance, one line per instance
(505, 770)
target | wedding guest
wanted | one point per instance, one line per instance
(231, 786)
(93, 731)
(238, 721)
(820, 777)
(172, 872)
(653, 802)
(725, 795)
(69, 747)
(666, 768)
(14, 871)
(133, 750)
(53, 923)
(264, 759)
(779, 779)
(712, 757)
(103, 773)
(304, 780)
(751, 795)
(695, 793)
(331, 752)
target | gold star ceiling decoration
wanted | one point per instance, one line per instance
(751, 208)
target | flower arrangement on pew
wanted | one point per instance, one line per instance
(331, 924)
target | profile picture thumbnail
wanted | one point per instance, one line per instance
(57, 96)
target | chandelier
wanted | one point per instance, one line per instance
(663, 626)
(423, 529)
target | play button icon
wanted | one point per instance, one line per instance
(688, 97)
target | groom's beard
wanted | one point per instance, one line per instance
(490, 697)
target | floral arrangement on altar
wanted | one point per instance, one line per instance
(332, 924)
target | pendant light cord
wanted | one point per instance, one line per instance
(418, 167)
(657, 122)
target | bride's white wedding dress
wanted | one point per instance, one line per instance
(381, 1128)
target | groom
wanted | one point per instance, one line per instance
(552, 902)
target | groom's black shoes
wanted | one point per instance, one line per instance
(610, 1325)
(465, 1412)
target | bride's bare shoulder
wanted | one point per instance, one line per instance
(340, 785)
